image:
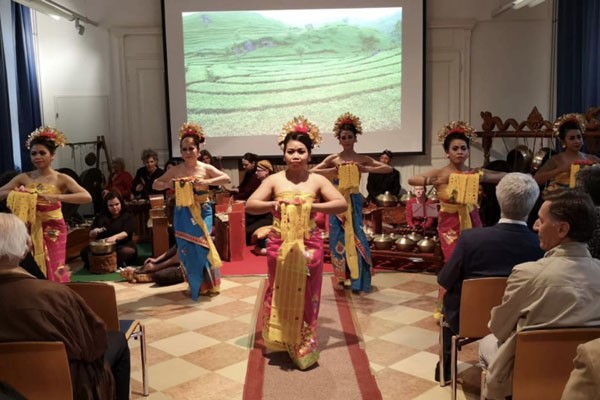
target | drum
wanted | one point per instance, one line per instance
(103, 263)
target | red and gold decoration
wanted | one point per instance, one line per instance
(191, 129)
(457, 127)
(300, 124)
(48, 133)
(347, 119)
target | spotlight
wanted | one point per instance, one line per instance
(80, 28)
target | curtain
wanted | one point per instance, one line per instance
(30, 117)
(6, 154)
(578, 56)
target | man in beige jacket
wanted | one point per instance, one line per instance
(560, 289)
(584, 383)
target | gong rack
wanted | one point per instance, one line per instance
(100, 143)
(535, 126)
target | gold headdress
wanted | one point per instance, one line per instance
(457, 127)
(48, 133)
(579, 119)
(191, 129)
(346, 119)
(300, 125)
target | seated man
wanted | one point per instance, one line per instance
(40, 310)
(562, 289)
(490, 251)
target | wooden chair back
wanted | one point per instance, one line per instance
(37, 370)
(102, 299)
(478, 297)
(544, 360)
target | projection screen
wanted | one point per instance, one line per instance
(243, 70)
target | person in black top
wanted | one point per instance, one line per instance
(380, 183)
(250, 182)
(145, 176)
(114, 225)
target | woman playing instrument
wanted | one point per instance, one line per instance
(295, 246)
(116, 225)
(36, 198)
(348, 244)
(560, 170)
(193, 215)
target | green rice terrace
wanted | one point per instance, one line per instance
(246, 68)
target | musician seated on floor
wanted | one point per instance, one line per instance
(164, 270)
(114, 225)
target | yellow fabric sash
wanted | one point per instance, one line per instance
(184, 197)
(349, 179)
(287, 309)
(574, 170)
(464, 213)
(464, 188)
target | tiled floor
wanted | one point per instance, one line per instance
(199, 350)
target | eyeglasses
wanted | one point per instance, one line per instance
(187, 149)
(41, 153)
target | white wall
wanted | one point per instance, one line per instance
(474, 63)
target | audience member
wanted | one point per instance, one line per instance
(559, 290)
(40, 310)
(380, 183)
(119, 181)
(255, 221)
(490, 251)
(145, 176)
(588, 179)
(584, 382)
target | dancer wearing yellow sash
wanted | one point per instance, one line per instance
(560, 170)
(348, 244)
(193, 215)
(36, 197)
(294, 246)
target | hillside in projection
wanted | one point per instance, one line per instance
(244, 70)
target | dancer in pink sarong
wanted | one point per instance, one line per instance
(36, 198)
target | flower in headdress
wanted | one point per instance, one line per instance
(457, 127)
(300, 124)
(578, 119)
(347, 119)
(48, 133)
(191, 129)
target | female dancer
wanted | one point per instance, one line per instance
(295, 247)
(193, 216)
(560, 170)
(350, 253)
(36, 198)
(457, 186)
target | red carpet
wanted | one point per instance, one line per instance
(343, 371)
(253, 265)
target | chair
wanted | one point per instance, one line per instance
(478, 297)
(37, 370)
(544, 360)
(102, 300)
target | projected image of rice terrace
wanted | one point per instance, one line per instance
(244, 70)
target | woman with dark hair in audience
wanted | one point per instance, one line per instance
(295, 246)
(120, 180)
(350, 253)
(145, 176)
(193, 215)
(250, 182)
(114, 225)
(36, 197)
(559, 171)
(380, 183)
(254, 222)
